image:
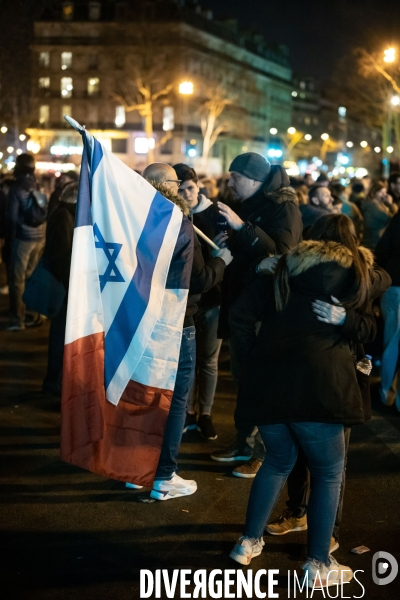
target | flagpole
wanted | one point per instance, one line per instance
(205, 238)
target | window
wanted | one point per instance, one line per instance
(302, 85)
(93, 86)
(44, 83)
(44, 59)
(307, 120)
(66, 110)
(44, 114)
(66, 87)
(94, 11)
(120, 116)
(119, 145)
(315, 120)
(66, 60)
(93, 114)
(168, 118)
(68, 11)
(92, 61)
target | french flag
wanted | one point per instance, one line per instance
(130, 272)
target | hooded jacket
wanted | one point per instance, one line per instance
(299, 368)
(205, 274)
(272, 226)
(204, 216)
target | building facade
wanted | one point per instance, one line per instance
(95, 61)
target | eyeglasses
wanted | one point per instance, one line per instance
(177, 181)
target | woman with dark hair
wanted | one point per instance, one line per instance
(378, 209)
(299, 383)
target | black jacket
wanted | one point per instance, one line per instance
(272, 226)
(204, 216)
(299, 368)
(59, 235)
(387, 251)
(17, 202)
(310, 214)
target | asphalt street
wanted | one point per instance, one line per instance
(70, 534)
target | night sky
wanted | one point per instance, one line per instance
(318, 33)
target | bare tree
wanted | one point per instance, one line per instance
(210, 110)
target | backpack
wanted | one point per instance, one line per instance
(36, 212)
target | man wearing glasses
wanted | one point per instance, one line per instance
(204, 276)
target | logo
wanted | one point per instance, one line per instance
(385, 564)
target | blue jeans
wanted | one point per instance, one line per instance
(390, 305)
(167, 464)
(324, 447)
(24, 258)
(207, 351)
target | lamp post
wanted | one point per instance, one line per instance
(185, 89)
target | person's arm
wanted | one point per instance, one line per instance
(246, 311)
(283, 234)
(12, 214)
(205, 275)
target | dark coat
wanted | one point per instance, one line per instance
(299, 368)
(388, 250)
(18, 201)
(272, 226)
(310, 214)
(59, 235)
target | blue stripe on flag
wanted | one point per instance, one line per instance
(96, 156)
(83, 209)
(134, 303)
(181, 264)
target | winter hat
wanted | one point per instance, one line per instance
(251, 165)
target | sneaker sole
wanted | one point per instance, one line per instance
(301, 528)
(133, 486)
(190, 428)
(206, 438)
(156, 495)
(244, 475)
(231, 458)
(243, 560)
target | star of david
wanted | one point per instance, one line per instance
(111, 250)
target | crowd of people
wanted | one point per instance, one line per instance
(302, 269)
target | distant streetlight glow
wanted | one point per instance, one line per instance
(325, 137)
(389, 149)
(19, 151)
(4, 129)
(342, 111)
(273, 130)
(291, 130)
(389, 55)
(10, 149)
(363, 144)
(22, 137)
(308, 137)
(186, 88)
(349, 144)
(377, 149)
(294, 94)
(395, 100)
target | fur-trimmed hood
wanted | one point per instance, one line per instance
(284, 194)
(312, 253)
(167, 193)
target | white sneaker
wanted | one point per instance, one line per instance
(133, 486)
(247, 548)
(322, 576)
(173, 488)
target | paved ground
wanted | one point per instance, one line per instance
(69, 534)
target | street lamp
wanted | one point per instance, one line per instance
(389, 149)
(349, 144)
(4, 129)
(389, 55)
(291, 130)
(273, 130)
(186, 88)
(395, 101)
(363, 144)
(377, 149)
(308, 137)
(325, 137)
(22, 137)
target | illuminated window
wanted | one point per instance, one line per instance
(93, 114)
(120, 116)
(93, 86)
(68, 11)
(66, 60)
(307, 120)
(44, 114)
(44, 59)
(66, 87)
(94, 11)
(302, 85)
(141, 145)
(66, 110)
(168, 118)
(44, 82)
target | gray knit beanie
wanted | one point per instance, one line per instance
(252, 165)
